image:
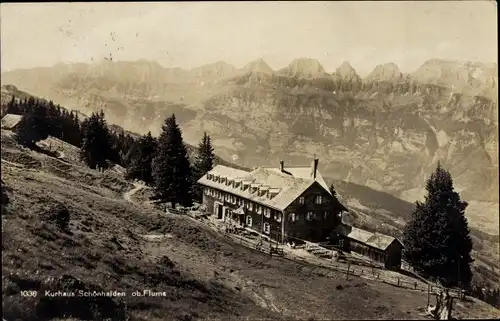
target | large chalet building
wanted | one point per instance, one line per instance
(286, 204)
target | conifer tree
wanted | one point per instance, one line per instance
(141, 160)
(436, 239)
(96, 146)
(333, 191)
(34, 126)
(171, 168)
(204, 163)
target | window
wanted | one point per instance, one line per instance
(252, 206)
(293, 217)
(249, 220)
(267, 228)
(325, 215)
(267, 213)
(318, 199)
(309, 216)
(278, 216)
(302, 200)
(206, 191)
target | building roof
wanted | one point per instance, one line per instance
(9, 121)
(375, 240)
(287, 185)
(304, 172)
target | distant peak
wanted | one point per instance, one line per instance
(346, 69)
(308, 67)
(258, 65)
(386, 72)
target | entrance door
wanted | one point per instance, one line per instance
(219, 211)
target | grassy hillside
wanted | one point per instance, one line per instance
(201, 273)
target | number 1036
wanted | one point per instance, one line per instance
(29, 293)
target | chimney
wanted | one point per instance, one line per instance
(282, 166)
(314, 167)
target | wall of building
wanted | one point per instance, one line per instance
(319, 227)
(394, 255)
(252, 209)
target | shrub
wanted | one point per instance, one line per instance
(58, 215)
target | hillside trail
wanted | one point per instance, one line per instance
(128, 195)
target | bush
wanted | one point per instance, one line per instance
(58, 215)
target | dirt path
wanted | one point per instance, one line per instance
(128, 195)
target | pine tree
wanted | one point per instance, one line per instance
(34, 126)
(171, 168)
(141, 160)
(204, 162)
(333, 191)
(436, 239)
(96, 146)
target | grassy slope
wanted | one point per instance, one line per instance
(202, 273)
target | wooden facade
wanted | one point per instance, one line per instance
(390, 255)
(308, 220)
(306, 212)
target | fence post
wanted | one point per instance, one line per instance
(428, 294)
(347, 273)
(398, 281)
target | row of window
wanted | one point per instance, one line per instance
(266, 227)
(317, 200)
(262, 191)
(251, 206)
(309, 216)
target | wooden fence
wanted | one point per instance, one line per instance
(328, 268)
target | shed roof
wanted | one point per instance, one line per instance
(9, 121)
(290, 186)
(375, 240)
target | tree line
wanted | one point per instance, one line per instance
(164, 163)
(161, 162)
(43, 118)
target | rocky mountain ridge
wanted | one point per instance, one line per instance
(386, 131)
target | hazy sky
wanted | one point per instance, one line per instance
(189, 34)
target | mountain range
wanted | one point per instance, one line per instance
(386, 131)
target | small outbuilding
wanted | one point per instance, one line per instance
(10, 121)
(379, 247)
